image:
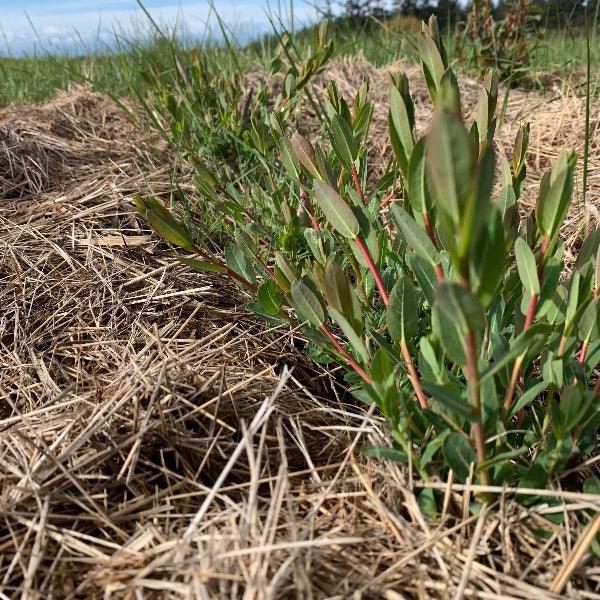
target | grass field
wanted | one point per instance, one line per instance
(157, 438)
(38, 78)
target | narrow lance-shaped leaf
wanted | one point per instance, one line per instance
(460, 455)
(418, 190)
(164, 223)
(336, 210)
(341, 295)
(450, 159)
(589, 324)
(353, 336)
(527, 267)
(401, 128)
(402, 315)
(307, 304)
(555, 195)
(342, 141)
(305, 153)
(414, 235)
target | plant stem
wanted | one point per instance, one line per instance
(373, 268)
(414, 377)
(357, 368)
(583, 352)
(357, 185)
(533, 302)
(477, 433)
(429, 230)
(227, 271)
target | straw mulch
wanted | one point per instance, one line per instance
(158, 442)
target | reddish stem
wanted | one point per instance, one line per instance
(357, 185)
(472, 373)
(533, 301)
(583, 353)
(414, 378)
(429, 230)
(357, 368)
(373, 268)
(531, 311)
(439, 273)
(229, 272)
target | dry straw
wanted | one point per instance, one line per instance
(157, 442)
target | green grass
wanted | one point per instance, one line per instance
(36, 78)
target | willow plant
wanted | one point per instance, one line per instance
(459, 321)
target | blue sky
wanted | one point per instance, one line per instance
(60, 25)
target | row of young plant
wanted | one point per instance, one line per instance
(459, 321)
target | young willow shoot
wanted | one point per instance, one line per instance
(459, 322)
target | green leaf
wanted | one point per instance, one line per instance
(534, 478)
(353, 335)
(573, 301)
(402, 314)
(283, 272)
(460, 306)
(341, 295)
(335, 209)
(460, 455)
(384, 452)
(164, 223)
(433, 65)
(528, 396)
(589, 324)
(401, 127)
(532, 340)
(487, 258)
(586, 258)
(418, 190)
(238, 262)
(414, 235)
(269, 298)
(433, 447)
(527, 267)
(289, 159)
(342, 141)
(305, 153)
(314, 239)
(449, 399)
(201, 265)
(307, 304)
(424, 273)
(450, 160)
(555, 194)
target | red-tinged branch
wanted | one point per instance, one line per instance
(533, 302)
(583, 352)
(310, 209)
(347, 356)
(429, 230)
(439, 273)
(373, 268)
(357, 184)
(477, 433)
(414, 377)
(529, 318)
(226, 270)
